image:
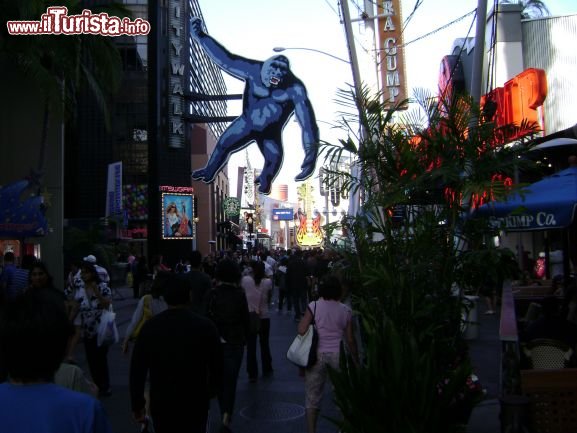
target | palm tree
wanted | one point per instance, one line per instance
(421, 173)
(531, 8)
(61, 65)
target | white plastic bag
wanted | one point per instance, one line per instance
(107, 330)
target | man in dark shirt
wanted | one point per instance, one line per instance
(200, 281)
(181, 352)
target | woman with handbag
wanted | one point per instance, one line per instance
(91, 300)
(333, 322)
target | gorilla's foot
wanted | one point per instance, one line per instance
(265, 183)
(305, 173)
(203, 175)
(265, 188)
(198, 174)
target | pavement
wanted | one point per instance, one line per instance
(485, 351)
(276, 403)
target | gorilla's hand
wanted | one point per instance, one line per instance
(195, 25)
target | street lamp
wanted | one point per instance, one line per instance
(280, 49)
(195, 221)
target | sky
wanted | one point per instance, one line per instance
(252, 28)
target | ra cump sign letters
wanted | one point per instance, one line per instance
(392, 60)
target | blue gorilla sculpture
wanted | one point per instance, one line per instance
(271, 95)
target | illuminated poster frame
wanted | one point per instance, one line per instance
(177, 216)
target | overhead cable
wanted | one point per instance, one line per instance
(438, 29)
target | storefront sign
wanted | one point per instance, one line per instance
(537, 221)
(392, 58)
(231, 206)
(282, 214)
(176, 54)
(179, 189)
(518, 100)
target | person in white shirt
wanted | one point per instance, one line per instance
(258, 289)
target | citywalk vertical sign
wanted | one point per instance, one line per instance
(391, 53)
(176, 54)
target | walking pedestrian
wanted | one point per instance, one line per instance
(148, 306)
(227, 307)
(201, 283)
(140, 272)
(13, 279)
(180, 352)
(297, 283)
(41, 283)
(33, 340)
(258, 291)
(91, 300)
(333, 321)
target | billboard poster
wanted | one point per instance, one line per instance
(283, 214)
(177, 216)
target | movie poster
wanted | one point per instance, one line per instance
(177, 216)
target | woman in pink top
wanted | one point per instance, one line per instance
(333, 323)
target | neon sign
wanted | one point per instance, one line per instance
(517, 101)
(178, 189)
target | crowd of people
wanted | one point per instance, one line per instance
(219, 304)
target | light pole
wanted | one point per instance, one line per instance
(281, 49)
(195, 221)
(357, 198)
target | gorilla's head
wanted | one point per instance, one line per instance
(274, 71)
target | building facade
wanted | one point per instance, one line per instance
(513, 47)
(154, 135)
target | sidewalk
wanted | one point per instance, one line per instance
(485, 353)
(276, 404)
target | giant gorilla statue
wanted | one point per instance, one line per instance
(271, 95)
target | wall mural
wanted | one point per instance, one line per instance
(272, 94)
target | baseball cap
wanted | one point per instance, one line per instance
(90, 259)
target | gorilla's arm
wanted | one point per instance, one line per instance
(238, 66)
(310, 132)
(305, 116)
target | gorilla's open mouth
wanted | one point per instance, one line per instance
(274, 81)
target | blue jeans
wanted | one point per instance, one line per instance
(232, 360)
